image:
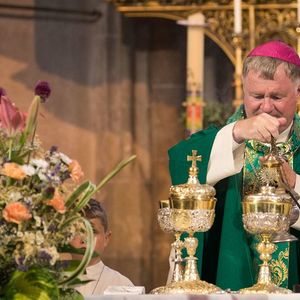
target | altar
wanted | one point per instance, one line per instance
(198, 297)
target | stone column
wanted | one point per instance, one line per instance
(195, 67)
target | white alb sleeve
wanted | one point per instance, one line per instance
(226, 156)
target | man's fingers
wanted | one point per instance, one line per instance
(282, 121)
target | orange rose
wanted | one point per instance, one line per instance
(16, 212)
(57, 202)
(13, 170)
(76, 171)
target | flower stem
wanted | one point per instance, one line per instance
(32, 141)
(10, 149)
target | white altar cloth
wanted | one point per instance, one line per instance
(197, 297)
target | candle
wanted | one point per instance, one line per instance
(298, 11)
(238, 16)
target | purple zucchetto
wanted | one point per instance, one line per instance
(42, 89)
(277, 49)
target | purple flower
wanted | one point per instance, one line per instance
(2, 92)
(49, 192)
(43, 255)
(22, 268)
(42, 89)
(53, 149)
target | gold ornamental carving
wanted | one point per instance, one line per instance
(261, 20)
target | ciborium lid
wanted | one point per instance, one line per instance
(192, 195)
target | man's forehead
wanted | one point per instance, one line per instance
(281, 72)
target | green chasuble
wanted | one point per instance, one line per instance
(225, 255)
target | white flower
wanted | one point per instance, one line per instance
(20, 234)
(42, 176)
(67, 160)
(53, 253)
(38, 221)
(39, 237)
(15, 196)
(29, 237)
(29, 250)
(29, 170)
(40, 163)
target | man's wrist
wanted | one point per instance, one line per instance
(235, 134)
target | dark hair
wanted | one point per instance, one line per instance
(94, 209)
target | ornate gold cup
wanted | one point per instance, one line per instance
(264, 214)
(192, 207)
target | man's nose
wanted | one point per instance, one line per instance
(267, 105)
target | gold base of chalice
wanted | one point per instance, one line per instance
(190, 282)
(264, 283)
(265, 288)
(197, 287)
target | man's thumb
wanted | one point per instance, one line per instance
(282, 121)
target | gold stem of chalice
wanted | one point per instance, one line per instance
(264, 282)
(191, 271)
(165, 221)
(178, 245)
(265, 248)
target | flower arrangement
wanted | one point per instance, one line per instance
(41, 199)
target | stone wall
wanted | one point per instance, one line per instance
(118, 84)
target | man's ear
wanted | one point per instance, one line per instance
(108, 234)
(107, 238)
(298, 88)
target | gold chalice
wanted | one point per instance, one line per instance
(264, 214)
(192, 208)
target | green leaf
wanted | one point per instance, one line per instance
(34, 284)
(86, 190)
(90, 245)
(31, 120)
(115, 171)
(70, 294)
(74, 196)
(67, 248)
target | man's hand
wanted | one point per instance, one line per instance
(261, 128)
(288, 174)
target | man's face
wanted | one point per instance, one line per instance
(102, 239)
(277, 97)
(100, 234)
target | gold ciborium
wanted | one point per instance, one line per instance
(192, 209)
(264, 214)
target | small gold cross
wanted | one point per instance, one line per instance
(194, 158)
